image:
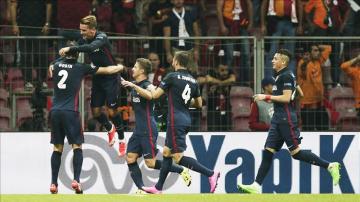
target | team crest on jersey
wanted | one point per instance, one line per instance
(274, 88)
(92, 65)
(136, 100)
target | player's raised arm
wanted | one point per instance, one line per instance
(110, 69)
(156, 93)
(145, 93)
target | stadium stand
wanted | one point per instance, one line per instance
(240, 100)
(342, 98)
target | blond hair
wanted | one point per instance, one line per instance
(90, 21)
(145, 64)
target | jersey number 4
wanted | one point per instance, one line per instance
(186, 93)
(64, 74)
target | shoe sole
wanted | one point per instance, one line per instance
(244, 191)
(216, 183)
(339, 168)
(241, 190)
(53, 191)
(112, 142)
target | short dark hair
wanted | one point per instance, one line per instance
(285, 52)
(72, 54)
(145, 64)
(182, 57)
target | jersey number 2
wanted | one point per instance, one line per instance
(186, 93)
(64, 75)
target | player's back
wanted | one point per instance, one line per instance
(181, 87)
(99, 54)
(67, 77)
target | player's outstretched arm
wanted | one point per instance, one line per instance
(110, 69)
(284, 98)
(156, 93)
(145, 93)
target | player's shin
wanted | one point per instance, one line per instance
(136, 174)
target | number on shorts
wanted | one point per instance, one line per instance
(186, 93)
(64, 74)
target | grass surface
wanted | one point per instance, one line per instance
(183, 197)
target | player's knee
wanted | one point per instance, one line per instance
(130, 158)
(270, 150)
(166, 152)
(177, 157)
(58, 147)
(76, 146)
(150, 163)
(295, 153)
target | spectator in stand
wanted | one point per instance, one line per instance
(200, 7)
(32, 18)
(68, 22)
(262, 110)
(352, 69)
(281, 18)
(309, 77)
(328, 19)
(159, 11)
(158, 72)
(235, 19)
(182, 23)
(352, 24)
(123, 19)
(219, 108)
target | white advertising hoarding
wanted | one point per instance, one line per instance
(25, 164)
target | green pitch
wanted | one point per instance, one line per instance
(184, 198)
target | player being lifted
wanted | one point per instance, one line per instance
(143, 140)
(284, 125)
(182, 91)
(105, 88)
(64, 115)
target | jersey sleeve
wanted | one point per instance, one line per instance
(197, 91)
(166, 82)
(99, 41)
(288, 82)
(89, 69)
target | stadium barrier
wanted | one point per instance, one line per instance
(25, 169)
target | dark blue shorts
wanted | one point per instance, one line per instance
(143, 145)
(66, 124)
(176, 138)
(283, 132)
(105, 91)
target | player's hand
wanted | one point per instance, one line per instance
(46, 29)
(224, 31)
(122, 67)
(169, 58)
(16, 30)
(127, 83)
(63, 51)
(259, 97)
